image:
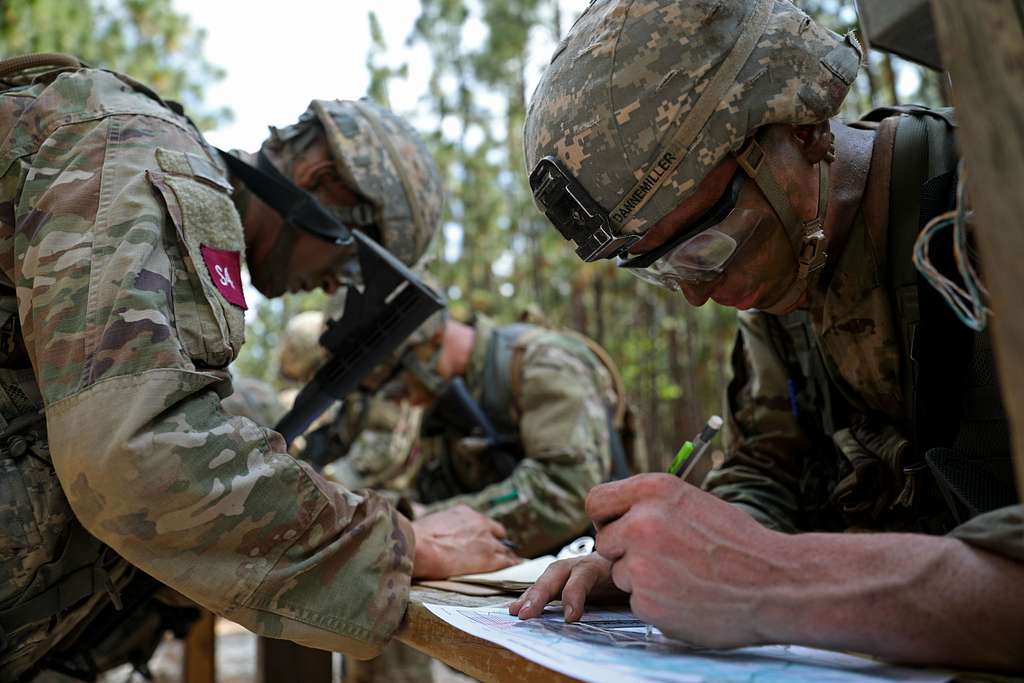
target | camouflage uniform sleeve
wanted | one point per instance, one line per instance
(122, 330)
(563, 427)
(999, 531)
(764, 444)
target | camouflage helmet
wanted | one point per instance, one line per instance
(300, 353)
(381, 158)
(643, 98)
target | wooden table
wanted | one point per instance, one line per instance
(478, 658)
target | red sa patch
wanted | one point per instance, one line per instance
(226, 272)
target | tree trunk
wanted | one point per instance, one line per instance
(869, 70)
(982, 45)
(889, 79)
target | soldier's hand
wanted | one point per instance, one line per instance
(694, 566)
(456, 541)
(577, 579)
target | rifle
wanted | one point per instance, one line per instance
(377, 318)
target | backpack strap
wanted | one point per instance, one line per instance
(909, 173)
(922, 158)
(499, 386)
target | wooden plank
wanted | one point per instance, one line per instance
(201, 650)
(982, 44)
(282, 661)
(478, 658)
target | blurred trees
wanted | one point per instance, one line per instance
(146, 39)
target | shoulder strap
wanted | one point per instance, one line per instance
(923, 151)
(613, 371)
(499, 387)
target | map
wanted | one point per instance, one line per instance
(612, 646)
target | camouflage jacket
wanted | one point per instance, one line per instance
(117, 224)
(559, 411)
(792, 472)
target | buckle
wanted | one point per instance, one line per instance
(751, 157)
(812, 256)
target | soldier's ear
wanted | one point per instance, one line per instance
(311, 174)
(814, 140)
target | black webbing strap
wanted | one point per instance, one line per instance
(296, 206)
(909, 172)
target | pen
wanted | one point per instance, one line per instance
(691, 452)
(509, 544)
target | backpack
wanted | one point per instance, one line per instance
(953, 410)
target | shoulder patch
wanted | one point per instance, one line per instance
(225, 268)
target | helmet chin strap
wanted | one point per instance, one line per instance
(806, 237)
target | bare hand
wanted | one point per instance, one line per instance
(456, 541)
(694, 566)
(577, 580)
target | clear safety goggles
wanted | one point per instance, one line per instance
(701, 253)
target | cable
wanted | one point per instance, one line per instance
(966, 301)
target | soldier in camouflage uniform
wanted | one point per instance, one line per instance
(124, 235)
(549, 395)
(692, 141)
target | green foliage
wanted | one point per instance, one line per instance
(146, 39)
(380, 73)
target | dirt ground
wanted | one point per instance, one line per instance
(236, 662)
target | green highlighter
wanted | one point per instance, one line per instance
(691, 452)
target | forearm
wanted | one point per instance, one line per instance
(209, 507)
(906, 597)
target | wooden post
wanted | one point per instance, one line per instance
(282, 661)
(201, 650)
(982, 43)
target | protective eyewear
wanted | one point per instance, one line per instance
(701, 253)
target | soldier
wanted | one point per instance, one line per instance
(554, 403)
(692, 141)
(125, 234)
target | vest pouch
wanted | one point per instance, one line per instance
(209, 304)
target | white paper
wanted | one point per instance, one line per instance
(524, 574)
(612, 646)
